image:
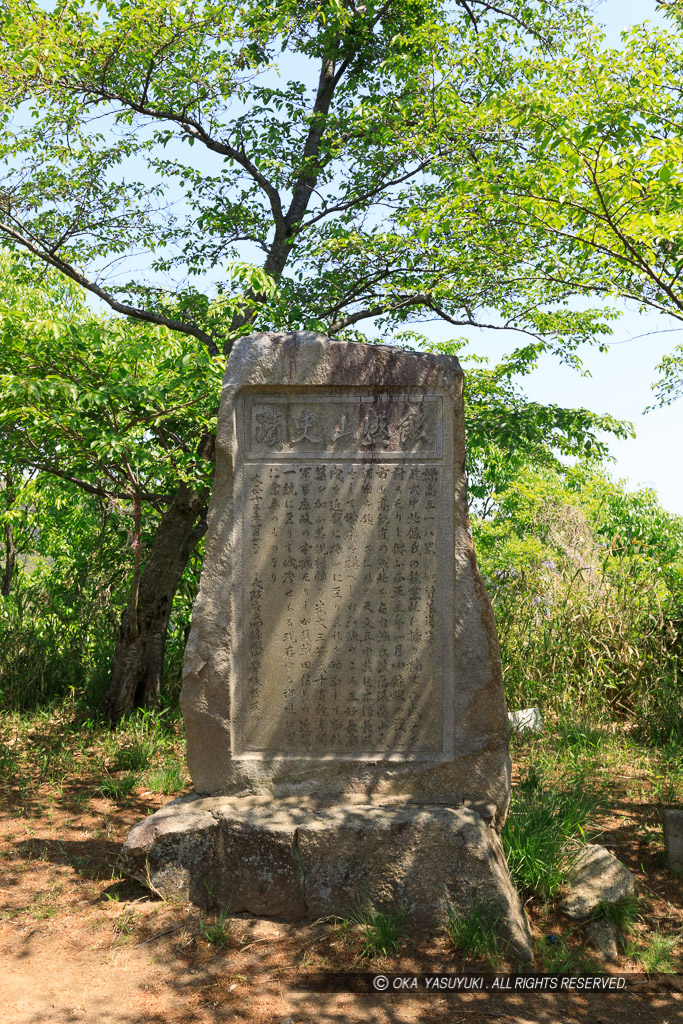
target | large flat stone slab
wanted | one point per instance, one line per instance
(342, 641)
(299, 859)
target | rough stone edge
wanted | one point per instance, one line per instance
(672, 827)
(180, 852)
(586, 890)
(205, 697)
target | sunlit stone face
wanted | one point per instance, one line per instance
(342, 643)
(345, 530)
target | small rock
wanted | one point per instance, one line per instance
(526, 720)
(596, 876)
(602, 936)
(673, 836)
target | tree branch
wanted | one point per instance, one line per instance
(370, 194)
(98, 490)
(195, 129)
(119, 307)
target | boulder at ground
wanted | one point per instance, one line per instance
(602, 936)
(596, 877)
(297, 860)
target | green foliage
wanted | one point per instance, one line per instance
(579, 736)
(119, 788)
(56, 623)
(170, 779)
(119, 407)
(217, 933)
(353, 149)
(554, 955)
(601, 130)
(587, 587)
(9, 763)
(623, 913)
(657, 954)
(540, 825)
(382, 931)
(138, 756)
(59, 745)
(99, 424)
(341, 142)
(508, 434)
(390, 163)
(474, 934)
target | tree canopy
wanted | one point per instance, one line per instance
(277, 166)
(601, 132)
(209, 169)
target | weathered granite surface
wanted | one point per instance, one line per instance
(596, 876)
(602, 936)
(672, 818)
(295, 859)
(342, 642)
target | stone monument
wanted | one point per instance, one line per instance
(347, 734)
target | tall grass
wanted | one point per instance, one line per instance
(591, 638)
(589, 611)
(45, 653)
(541, 825)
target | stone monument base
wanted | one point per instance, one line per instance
(296, 859)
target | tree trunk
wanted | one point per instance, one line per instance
(10, 561)
(8, 536)
(138, 663)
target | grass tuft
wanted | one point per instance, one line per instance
(119, 789)
(622, 913)
(657, 954)
(382, 931)
(138, 756)
(540, 824)
(555, 956)
(474, 934)
(217, 933)
(170, 779)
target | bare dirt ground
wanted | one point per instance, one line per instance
(79, 945)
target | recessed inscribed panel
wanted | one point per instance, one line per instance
(344, 527)
(344, 426)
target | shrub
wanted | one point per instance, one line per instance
(586, 582)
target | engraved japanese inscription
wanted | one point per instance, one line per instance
(345, 528)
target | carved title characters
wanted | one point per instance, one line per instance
(304, 422)
(341, 430)
(268, 428)
(375, 430)
(383, 426)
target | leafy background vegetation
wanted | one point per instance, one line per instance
(586, 579)
(531, 165)
(585, 575)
